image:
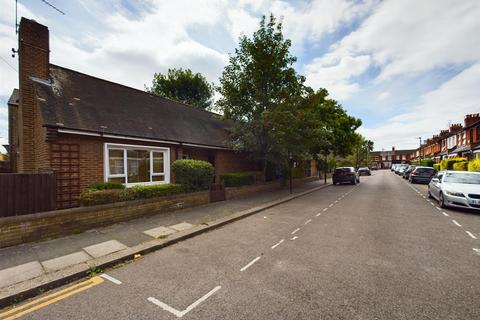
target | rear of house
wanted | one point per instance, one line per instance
(88, 129)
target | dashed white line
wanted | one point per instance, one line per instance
(250, 264)
(294, 238)
(476, 250)
(424, 197)
(331, 205)
(318, 214)
(433, 204)
(456, 223)
(438, 208)
(109, 278)
(471, 235)
(445, 214)
(308, 221)
(336, 201)
(325, 209)
(295, 231)
(277, 244)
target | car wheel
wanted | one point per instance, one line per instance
(412, 181)
(441, 201)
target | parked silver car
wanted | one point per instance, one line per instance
(459, 189)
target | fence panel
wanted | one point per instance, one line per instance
(25, 193)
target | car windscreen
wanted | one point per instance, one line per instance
(426, 171)
(461, 177)
(340, 170)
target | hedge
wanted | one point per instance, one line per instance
(460, 166)
(474, 165)
(447, 164)
(106, 186)
(436, 166)
(237, 179)
(93, 197)
(193, 175)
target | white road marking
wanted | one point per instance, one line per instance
(456, 223)
(277, 244)
(424, 197)
(325, 209)
(335, 201)
(178, 313)
(318, 214)
(110, 278)
(476, 250)
(438, 208)
(308, 221)
(295, 231)
(294, 238)
(433, 204)
(331, 205)
(250, 264)
(445, 214)
(471, 235)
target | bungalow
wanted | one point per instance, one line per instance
(88, 129)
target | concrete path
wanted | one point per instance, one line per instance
(28, 261)
(375, 251)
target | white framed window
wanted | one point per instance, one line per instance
(135, 165)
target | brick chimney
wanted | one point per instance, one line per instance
(33, 61)
(455, 127)
(471, 119)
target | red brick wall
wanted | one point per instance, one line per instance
(230, 161)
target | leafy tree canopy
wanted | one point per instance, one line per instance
(183, 86)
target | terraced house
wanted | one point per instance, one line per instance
(88, 129)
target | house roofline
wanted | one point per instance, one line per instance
(133, 138)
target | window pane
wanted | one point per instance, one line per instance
(138, 166)
(115, 160)
(158, 162)
(158, 178)
(118, 180)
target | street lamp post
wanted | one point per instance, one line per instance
(420, 147)
(290, 164)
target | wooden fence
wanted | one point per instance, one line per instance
(25, 193)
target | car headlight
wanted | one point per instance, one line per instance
(455, 194)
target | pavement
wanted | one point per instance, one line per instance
(32, 260)
(379, 250)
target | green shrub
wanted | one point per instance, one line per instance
(237, 179)
(193, 175)
(156, 190)
(426, 162)
(460, 166)
(474, 165)
(447, 164)
(106, 186)
(436, 166)
(93, 197)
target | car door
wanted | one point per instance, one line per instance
(435, 186)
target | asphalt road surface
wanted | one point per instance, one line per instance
(378, 250)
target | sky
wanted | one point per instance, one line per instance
(407, 68)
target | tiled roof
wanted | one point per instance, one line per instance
(73, 100)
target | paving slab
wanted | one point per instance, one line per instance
(104, 248)
(181, 226)
(159, 232)
(20, 273)
(65, 261)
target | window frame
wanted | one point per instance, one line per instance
(125, 147)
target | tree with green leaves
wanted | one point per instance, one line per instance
(259, 90)
(183, 86)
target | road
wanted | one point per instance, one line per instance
(378, 250)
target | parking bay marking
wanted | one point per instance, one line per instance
(49, 299)
(325, 209)
(110, 278)
(295, 231)
(277, 244)
(308, 221)
(456, 223)
(471, 235)
(250, 264)
(178, 313)
(318, 214)
(476, 250)
(294, 238)
(445, 214)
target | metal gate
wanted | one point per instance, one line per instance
(65, 160)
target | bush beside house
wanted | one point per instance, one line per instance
(436, 166)
(193, 175)
(237, 179)
(460, 166)
(474, 165)
(447, 164)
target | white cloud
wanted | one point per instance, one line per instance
(448, 103)
(384, 95)
(336, 78)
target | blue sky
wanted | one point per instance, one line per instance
(407, 68)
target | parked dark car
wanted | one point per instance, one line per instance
(422, 175)
(364, 171)
(406, 173)
(345, 174)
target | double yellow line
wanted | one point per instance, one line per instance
(49, 299)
